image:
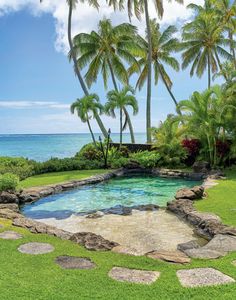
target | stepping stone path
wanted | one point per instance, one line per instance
(72, 262)
(170, 256)
(10, 235)
(202, 277)
(134, 276)
(36, 248)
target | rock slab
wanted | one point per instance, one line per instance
(36, 248)
(10, 235)
(170, 256)
(73, 262)
(202, 277)
(133, 276)
(204, 253)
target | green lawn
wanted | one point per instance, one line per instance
(221, 199)
(58, 177)
(38, 277)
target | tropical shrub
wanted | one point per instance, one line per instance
(8, 182)
(146, 159)
(90, 152)
(192, 147)
(118, 163)
(19, 166)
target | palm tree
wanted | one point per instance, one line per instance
(72, 5)
(87, 107)
(226, 10)
(139, 7)
(203, 42)
(120, 100)
(105, 51)
(162, 46)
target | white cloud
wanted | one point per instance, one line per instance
(86, 17)
(32, 104)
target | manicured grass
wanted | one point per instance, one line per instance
(221, 199)
(38, 277)
(58, 177)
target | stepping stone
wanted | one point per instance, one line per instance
(134, 276)
(36, 248)
(72, 262)
(202, 277)
(234, 263)
(170, 256)
(10, 235)
(125, 250)
(189, 245)
(222, 243)
(204, 253)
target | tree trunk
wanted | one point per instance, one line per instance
(209, 70)
(76, 68)
(149, 79)
(121, 127)
(220, 65)
(169, 90)
(125, 111)
(90, 129)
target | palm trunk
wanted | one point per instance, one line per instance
(169, 90)
(209, 70)
(76, 68)
(131, 130)
(220, 65)
(149, 78)
(121, 127)
(90, 129)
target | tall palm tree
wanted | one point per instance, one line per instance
(72, 5)
(203, 45)
(105, 51)
(120, 100)
(139, 7)
(86, 108)
(163, 44)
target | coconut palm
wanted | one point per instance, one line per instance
(106, 50)
(87, 107)
(163, 44)
(120, 100)
(72, 5)
(139, 7)
(203, 45)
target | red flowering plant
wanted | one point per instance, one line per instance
(192, 146)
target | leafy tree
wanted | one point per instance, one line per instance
(86, 108)
(120, 100)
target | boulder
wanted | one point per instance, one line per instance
(11, 206)
(170, 256)
(204, 253)
(194, 193)
(222, 243)
(8, 197)
(189, 245)
(201, 167)
(91, 241)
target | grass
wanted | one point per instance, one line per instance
(58, 177)
(38, 277)
(221, 199)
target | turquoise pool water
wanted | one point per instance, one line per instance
(124, 191)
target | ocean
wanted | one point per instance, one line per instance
(42, 147)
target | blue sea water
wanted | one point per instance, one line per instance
(41, 147)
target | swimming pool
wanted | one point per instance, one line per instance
(128, 191)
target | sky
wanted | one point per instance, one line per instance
(37, 82)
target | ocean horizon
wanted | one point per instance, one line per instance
(41, 147)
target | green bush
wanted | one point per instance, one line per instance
(146, 159)
(19, 166)
(90, 152)
(8, 182)
(118, 162)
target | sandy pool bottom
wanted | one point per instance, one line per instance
(142, 231)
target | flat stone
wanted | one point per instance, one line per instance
(204, 253)
(10, 235)
(234, 263)
(222, 242)
(170, 256)
(194, 193)
(202, 277)
(95, 215)
(189, 245)
(36, 248)
(134, 276)
(125, 250)
(73, 262)
(12, 206)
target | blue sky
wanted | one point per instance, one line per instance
(38, 84)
